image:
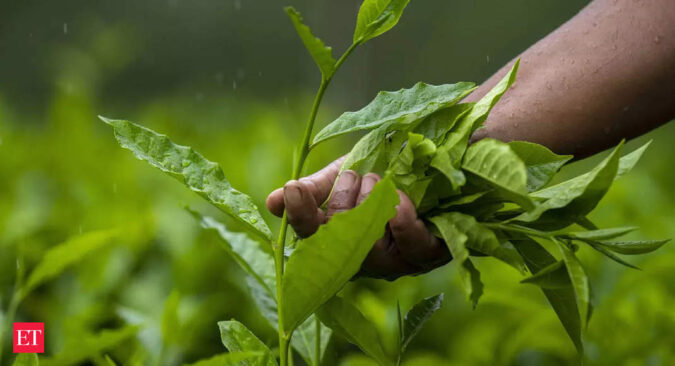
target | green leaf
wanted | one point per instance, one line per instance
(582, 291)
(562, 299)
(571, 200)
(497, 165)
(347, 321)
(553, 276)
(322, 264)
(86, 346)
(482, 108)
(204, 177)
(417, 316)
(230, 359)
(593, 244)
(60, 257)
(304, 340)
(171, 329)
(456, 242)
(322, 55)
(482, 239)
(463, 200)
(601, 233)
(401, 108)
(541, 163)
(26, 359)
(409, 167)
(376, 17)
(633, 247)
(437, 125)
(628, 161)
(237, 338)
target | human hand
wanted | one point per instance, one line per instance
(407, 247)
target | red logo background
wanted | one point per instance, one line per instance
(28, 337)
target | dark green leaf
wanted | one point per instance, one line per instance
(541, 163)
(553, 276)
(237, 338)
(437, 125)
(582, 292)
(204, 177)
(322, 55)
(401, 108)
(601, 233)
(610, 255)
(633, 247)
(417, 316)
(26, 359)
(87, 346)
(322, 264)
(347, 321)
(463, 200)
(376, 17)
(497, 165)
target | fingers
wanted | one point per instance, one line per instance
(345, 193)
(367, 183)
(385, 261)
(302, 211)
(319, 185)
(416, 244)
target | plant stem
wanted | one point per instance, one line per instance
(17, 296)
(303, 152)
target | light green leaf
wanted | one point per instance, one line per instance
(204, 177)
(409, 167)
(376, 17)
(562, 299)
(482, 108)
(553, 276)
(633, 247)
(367, 153)
(541, 163)
(443, 162)
(582, 291)
(26, 359)
(628, 161)
(304, 339)
(571, 200)
(601, 234)
(109, 361)
(237, 338)
(87, 346)
(171, 329)
(400, 108)
(347, 321)
(437, 125)
(60, 257)
(322, 55)
(417, 316)
(322, 264)
(499, 167)
(456, 242)
(230, 359)
(594, 244)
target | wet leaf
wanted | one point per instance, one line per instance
(322, 55)
(376, 17)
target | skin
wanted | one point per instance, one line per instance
(606, 74)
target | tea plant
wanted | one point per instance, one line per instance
(485, 199)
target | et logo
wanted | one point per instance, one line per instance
(29, 337)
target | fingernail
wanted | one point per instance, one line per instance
(292, 193)
(346, 181)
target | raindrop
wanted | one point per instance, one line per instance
(115, 188)
(186, 163)
(80, 229)
(234, 85)
(259, 74)
(254, 220)
(657, 39)
(65, 28)
(220, 77)
(237, 4)
(487, 58)
(241, 74)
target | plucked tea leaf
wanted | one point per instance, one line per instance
(628, 161)
(634, 246)
(321, 264)
(402, 107)
(26, 359)
(204, 177)
(237, 338)
(541, 163)
(582, 291)
(230, 359)
(563, 299)
(553, 276)
(417, 316)
(456, 242)
(601, 234)
(322, 55)
(497, 165)
(62, 256)
(437, 125)
(408, 168)
(346, 320)
(376, 17)
(482, 108)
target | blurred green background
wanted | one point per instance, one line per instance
(230, 78)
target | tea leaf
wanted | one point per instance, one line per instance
(417, 316)
(409, 167)
(456, 242)
(482, 108)
(322, 55)
(60, 257)
(497, 165)
(601, 233)
(553, 276)
(541, 163)
(324, 262)
(400, 108)
(634, 246)
(170, 321)
(26, 359)
(376, 17)
(304, 340)
(237, 338)
(85, 347)
(347, 321)
(230, 359)
(582, 292)
(562, 299)
(437, 125)
(610, 255)
(628, 161)
(204, 177)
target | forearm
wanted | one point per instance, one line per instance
(607, 74)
